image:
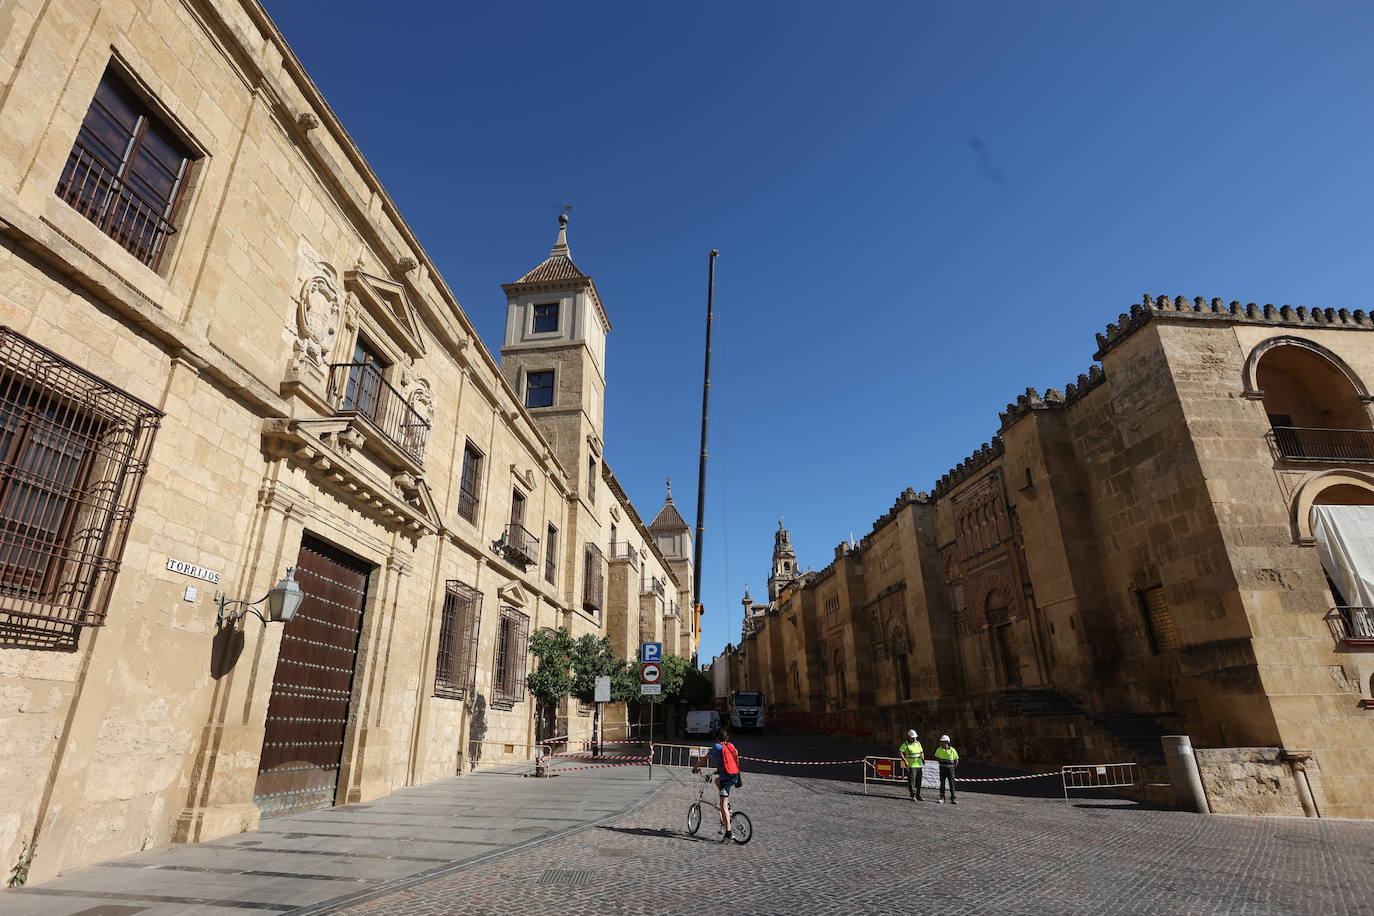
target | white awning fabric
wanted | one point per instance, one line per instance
(1345, 543)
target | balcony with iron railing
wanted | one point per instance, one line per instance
(1341, 446)
(1353, 626)
(652, 585)
(518, 546)
(671, 609)
(98, 193)
(361, 390)
(624, 550)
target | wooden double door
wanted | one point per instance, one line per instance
(307, 714)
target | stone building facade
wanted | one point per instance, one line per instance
(1131, 556)
(225, 355)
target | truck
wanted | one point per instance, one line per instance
(748, 709)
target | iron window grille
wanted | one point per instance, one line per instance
(126, 172)
(468, 486)
(1159, 621)
(455, 669)
(512, 649)
(593, 579)
(73, 456)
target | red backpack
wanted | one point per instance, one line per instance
(729, 758)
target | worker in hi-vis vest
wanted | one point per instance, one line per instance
(913, 758)
(948, 758)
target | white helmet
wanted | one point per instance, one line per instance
(911, 733)
(944, 737)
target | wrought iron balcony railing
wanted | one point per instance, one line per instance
(1353, 625)
(519, 546)
(624, 550)
(1301, 443)
(98, 193)
(361, 390)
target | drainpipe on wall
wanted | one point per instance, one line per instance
(1183, 773)
(1297, 762)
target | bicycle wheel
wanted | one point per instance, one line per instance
(694, 818)
(741, 827)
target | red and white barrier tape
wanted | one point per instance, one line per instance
(1005, 778)
(598, 766)
(601, 757)
(802, 763)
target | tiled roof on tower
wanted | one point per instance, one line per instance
(668, 518)
(559, 264)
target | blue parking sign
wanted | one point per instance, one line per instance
(651, 652)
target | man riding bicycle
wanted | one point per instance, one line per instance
(725, 758)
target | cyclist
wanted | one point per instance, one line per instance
(725, 758)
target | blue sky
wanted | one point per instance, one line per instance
(921, 209)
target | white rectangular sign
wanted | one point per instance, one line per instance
(603, 690)
(647, 689)
(190, 569)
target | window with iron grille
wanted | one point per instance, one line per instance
(1159, 621)
(512, 649)
(73, 454)
(470, 483)
(455, 669)
(593, 578)
(551, 555)
(127, 171)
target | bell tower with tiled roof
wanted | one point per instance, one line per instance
(554, 356)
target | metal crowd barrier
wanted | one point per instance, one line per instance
(678, 755)
(1098, 776)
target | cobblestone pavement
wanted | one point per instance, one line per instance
(822, 847)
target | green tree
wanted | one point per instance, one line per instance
(552, 679)
(592, 657)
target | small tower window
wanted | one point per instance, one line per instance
(546, 318)
(539, 389)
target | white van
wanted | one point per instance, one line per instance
(703, 722)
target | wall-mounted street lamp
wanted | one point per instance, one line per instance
(282, 602)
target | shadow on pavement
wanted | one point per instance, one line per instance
(658, 832)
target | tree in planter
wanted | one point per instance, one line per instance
(551, 681)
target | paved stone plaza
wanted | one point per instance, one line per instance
(496, 843)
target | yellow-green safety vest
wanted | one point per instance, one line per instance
(947, 755)
(913, 755)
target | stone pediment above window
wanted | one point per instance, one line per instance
(325, 449)
(386, 302)
(513, 594)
